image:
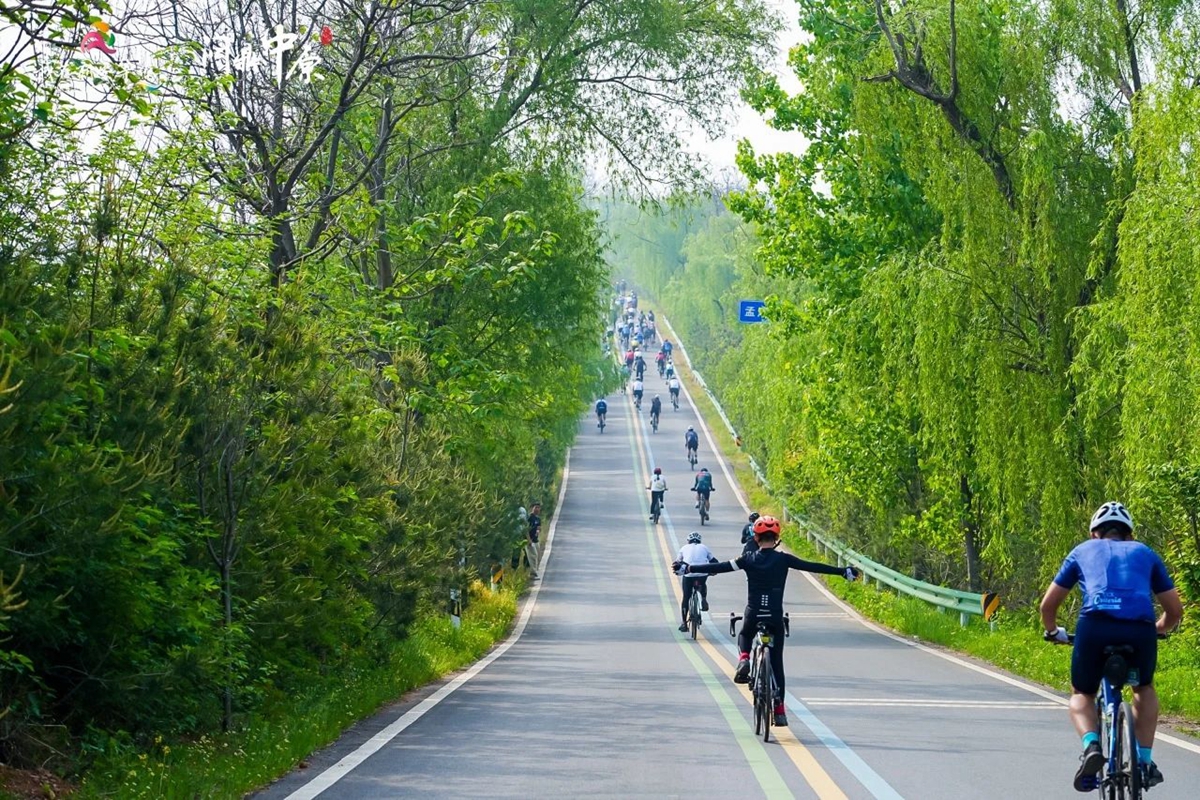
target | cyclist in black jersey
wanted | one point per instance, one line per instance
(766, 573)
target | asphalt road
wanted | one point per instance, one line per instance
(601, 696)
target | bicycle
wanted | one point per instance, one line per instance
(675, 400)
(601, 423)
(763, 688)
(704, 505)
(655, 507)
(1121, 776)
(694, 608)
(637, 400)
(654, 422)
(692, 457)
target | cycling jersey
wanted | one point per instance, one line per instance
(658, 484)
(601, 407)
(695, 554)
(638, 387)
(703, 483)
(692, 440)
(1118, 579)
(766, 574)
(656, 406)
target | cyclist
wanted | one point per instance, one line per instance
(657, 487)
(639, 366)
(1119, 579)
(629, 358)
(702, 486)
(673, 385)
(694, 552)
(624, 377)
(766, 574)
(638, 388)
(692, 441)
(670, 370)
(666, 346)
(601, 412)
(660, 359)
(748, 534)
(655, 410)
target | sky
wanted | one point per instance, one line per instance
(749, 125)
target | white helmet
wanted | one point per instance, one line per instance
(1112, 511)
(694, 537)
(689, 427)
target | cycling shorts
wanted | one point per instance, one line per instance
(1095, 632)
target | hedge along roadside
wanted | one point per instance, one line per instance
(967, 604)
(1015, 647)
(280, 738)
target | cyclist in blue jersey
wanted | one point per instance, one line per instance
(1119, 580)
(601, 411)
(766, 573)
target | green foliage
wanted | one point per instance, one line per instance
(980, 288)
(279, 363)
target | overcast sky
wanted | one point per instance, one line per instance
(749, 124)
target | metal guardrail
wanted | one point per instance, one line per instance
(967, 604)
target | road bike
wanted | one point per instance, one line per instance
(703, 504)
(692, 457)
(675, 400)
(637, 400)
(654, 421)
(694, 620)
(763, 687)
(1120, 778)
(661, 369)
(600, 423)
(655, 507)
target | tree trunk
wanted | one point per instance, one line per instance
(970, 534)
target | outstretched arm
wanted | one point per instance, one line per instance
(812, 566)
(711, 569)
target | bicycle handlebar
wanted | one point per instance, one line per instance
(787, 624)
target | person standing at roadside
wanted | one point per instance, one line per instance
(535, 523)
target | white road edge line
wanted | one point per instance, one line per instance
(364, 751)
(853, 612)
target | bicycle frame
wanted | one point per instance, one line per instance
(759, 654)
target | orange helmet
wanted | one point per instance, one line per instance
(766, 525)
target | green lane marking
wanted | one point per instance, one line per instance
(768, 776)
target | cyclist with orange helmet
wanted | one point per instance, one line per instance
(766, 573)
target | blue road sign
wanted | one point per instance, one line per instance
(750, 311)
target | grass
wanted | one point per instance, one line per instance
(1015, 645)
(267, 747)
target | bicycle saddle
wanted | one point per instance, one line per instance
(1116, 667)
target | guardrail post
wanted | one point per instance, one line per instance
(963, 618)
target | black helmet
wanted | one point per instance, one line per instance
(753, 516)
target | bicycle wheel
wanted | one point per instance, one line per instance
(760, 719)
(765, 698)
(694, 613)
(1112, 779)
(1127, 758)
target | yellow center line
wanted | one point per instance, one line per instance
(810, 769)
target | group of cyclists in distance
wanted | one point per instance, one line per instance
(1119, 579)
